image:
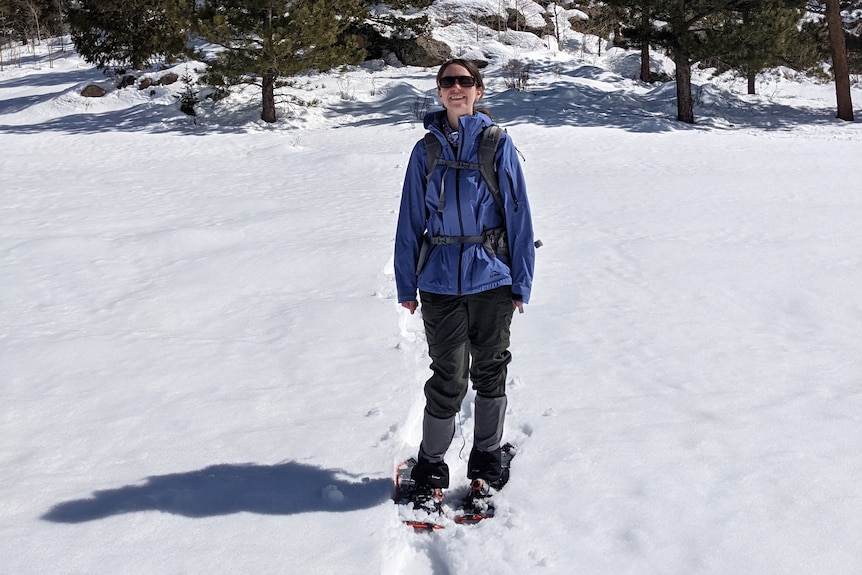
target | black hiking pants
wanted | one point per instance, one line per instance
(468, 339)
(461, 328)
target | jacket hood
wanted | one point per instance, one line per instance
(437, 117)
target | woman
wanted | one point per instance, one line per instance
(476, 268)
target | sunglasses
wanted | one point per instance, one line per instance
(463, 81)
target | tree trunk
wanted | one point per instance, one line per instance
(752, 76)
(645, 47)
(840, 68)
(684, 102)
(267, 113)
(34, 11)
(645, 60)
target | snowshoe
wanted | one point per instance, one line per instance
(420, 507)
(478, 504)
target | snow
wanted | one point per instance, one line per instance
(204, 368)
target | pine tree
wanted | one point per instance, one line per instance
(679, 26)
(264, 40)
(758, 34)
(637, 30)
(694, 30)
(684, 35)
(32, 21)
(836, 38)
(188, 98)
(128, 33)
(29, 19)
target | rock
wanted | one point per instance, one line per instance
(422, 51)
(93, 91)
(168, 79)
(124, 81)
(376, 46)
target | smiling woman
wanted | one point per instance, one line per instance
(459, 87)
(469, 253)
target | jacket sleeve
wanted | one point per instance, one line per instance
(411, 225)
(519, 223)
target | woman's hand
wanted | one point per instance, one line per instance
(411, 305)
(519, 305)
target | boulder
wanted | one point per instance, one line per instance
(93, 91)
(124, 81)
(422, 51)
(168, 79)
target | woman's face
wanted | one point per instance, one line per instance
(458, 100)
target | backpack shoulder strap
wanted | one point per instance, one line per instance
(433, 150)
(491, 137)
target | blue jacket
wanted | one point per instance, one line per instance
(469, 209)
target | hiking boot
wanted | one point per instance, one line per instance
(491, 467)
(486, 465)
(430, 473)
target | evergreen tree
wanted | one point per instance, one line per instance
(687, 27)
(637, 30)
(31, 21)
(129, 33)
(682, 28)
(12, 23)
(740, 31)
(758, 34)
(264, 40)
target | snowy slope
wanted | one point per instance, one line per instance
(203, 368)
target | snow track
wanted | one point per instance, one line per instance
(488, 547)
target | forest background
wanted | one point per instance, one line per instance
(265, 42)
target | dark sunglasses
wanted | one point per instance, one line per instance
(463, 81)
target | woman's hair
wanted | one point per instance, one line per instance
(473, 69)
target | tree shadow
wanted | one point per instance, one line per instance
(15, 105)
(588, 96)
(580, 95)
(283, 489)
(58, 78)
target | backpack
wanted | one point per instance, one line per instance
(487, 150)
(494, 241)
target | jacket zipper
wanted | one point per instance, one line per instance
(460, 223)
(460, 215)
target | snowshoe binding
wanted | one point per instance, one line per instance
(421, 506)
(478, 504)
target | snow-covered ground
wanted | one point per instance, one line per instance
(203, 367)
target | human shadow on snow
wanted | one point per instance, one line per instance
(283, 489)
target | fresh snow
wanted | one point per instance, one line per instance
(204, 369)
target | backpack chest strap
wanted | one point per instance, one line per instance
(458, 164)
